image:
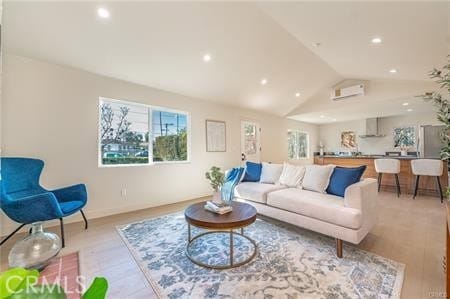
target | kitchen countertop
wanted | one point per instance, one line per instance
(406, 177)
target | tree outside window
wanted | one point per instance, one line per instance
(169, 136)
(126, 134)
(123, 128)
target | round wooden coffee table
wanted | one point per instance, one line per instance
(242, 215)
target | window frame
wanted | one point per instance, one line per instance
(307, 144)
(150, 109)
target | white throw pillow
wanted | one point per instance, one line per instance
(317, 177)
(270, 173)
(292, 175)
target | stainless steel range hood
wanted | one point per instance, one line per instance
(371, 129)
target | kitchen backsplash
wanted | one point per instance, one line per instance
(330, 134)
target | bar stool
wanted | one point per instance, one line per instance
(391, 166)
(427, 167)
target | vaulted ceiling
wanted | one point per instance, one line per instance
(162, 44)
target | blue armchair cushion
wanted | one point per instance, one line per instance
(252, 172)
(70, 207)
(342, 177)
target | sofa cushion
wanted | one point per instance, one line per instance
(342, 177)
(255, 191)
(252, 172)
(325, 207)
(317, 177)
(270, 173)
(292, 175)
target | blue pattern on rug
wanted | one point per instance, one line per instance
(291, 263)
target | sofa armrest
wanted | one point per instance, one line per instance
(362, 195)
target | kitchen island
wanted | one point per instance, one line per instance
(427, 185)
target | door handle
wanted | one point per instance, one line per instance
(243, 157)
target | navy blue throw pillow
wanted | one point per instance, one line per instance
(252, 172)
(342, 177)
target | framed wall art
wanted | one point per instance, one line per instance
(216, 139)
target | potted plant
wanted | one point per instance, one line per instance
(216, 179)
(441, 100)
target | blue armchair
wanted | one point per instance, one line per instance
(23, 200)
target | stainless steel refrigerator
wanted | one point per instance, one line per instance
(429, 141)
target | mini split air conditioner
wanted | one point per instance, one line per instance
(350, 91)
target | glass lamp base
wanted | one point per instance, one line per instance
(36, 250)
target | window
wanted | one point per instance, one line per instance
(169, 136)
(298, 145)
(132, 133)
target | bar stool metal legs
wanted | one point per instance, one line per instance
(429, 168)
(397, 183)
(416, 187)
(438, 185)
(389, 166)
(440, 189)
(380, 175)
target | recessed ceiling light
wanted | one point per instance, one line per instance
(103, 13)
(264, 81)
(405, 104)
(392, 71)
(297, 94)
(322, 116)
(409, 110)
(206, 57)
(316, 45)
(376, 40)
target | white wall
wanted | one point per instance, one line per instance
(51, 112)
(330, 134)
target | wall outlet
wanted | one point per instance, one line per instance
(123, 192)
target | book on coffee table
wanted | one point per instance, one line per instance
(210, 206)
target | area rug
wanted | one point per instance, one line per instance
(63, 270)
(291, 263)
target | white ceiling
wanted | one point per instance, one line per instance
(366, 109)
(161, 44)
(415, 35)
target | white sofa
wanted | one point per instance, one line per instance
(346, 219)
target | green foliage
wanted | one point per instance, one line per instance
(19, 283)
(97, 290)
(118, 132)
(216, 177)
(41, 292)
(440, 99)
(125, 160)
(170, 147)
(16, 279)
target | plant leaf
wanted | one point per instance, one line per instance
(15, 279)
(97, 290)
(41, 292)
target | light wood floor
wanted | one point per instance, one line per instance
(408, 231)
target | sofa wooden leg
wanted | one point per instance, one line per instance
(339, 248)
